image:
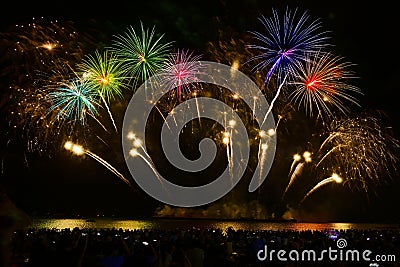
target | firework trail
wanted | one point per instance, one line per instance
(79, 151)
(297, 171)
(105, 75)
(321, 83)
(286, 42)
(137, 148)
(141, 54)
(197, 107)
(274, 99)
(227, 140)
(334, 178)
(262, 156)
(229, 152)
(296, 159)
(166, 105)
(361, 149)
(293, 174)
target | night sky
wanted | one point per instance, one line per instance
(60, 183)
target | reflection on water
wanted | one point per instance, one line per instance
(99, 223)
(170, 224)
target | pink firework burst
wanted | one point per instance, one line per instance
(180, 72)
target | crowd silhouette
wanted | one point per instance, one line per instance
(191, 247)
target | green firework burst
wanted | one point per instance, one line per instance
(142, 54)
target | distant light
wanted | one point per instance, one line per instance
(225, 140)
(271, 132)
(296, 157)
(337, 178)
(68, 145)
(264, 146)
(131, 136)
(104, 80)
(133, 152)
(262, 133)
(307, 154)
(48, 46)
(137, 143)
(235, 64)
(86, 75)
(78, 150)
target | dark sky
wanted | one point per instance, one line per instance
(365, 34)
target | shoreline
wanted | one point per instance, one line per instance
(176, 218)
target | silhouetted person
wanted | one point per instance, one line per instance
(195, 254)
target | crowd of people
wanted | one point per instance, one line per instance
(194, 247)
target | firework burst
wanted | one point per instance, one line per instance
(321, 84)
(105, 75)
(180, 72)
(72, 101)
(142, 54)
(37, 56)
(286, 42)
(360, 150)
(32, 46)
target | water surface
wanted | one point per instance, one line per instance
(100, 223)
